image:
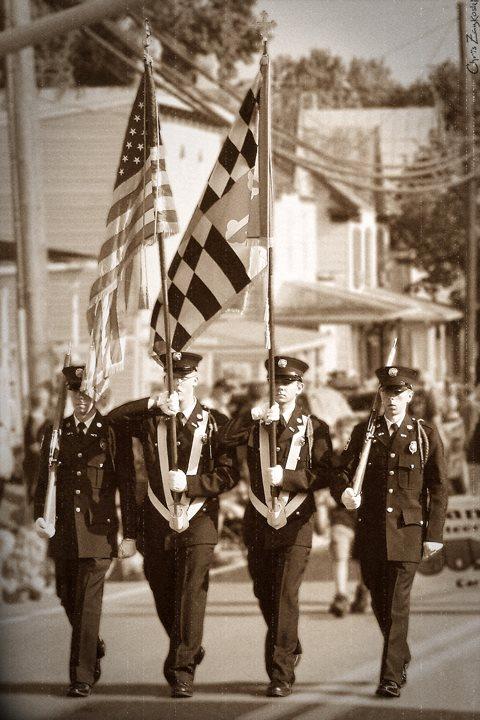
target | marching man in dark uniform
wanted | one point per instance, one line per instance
(401, 513)
(179, 538)
(278, 535)
(85, 539)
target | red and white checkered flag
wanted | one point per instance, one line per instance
(220, 254)
(142, 207)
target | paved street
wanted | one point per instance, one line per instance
(336, 678)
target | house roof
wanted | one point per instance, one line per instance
(51, 103)
(311, 304)
(391, 136)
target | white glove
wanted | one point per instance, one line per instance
(177, 480)
(168, 404)
(43, 528)
(430, 548)
(275, 475)
(266, 413)
(350, 500)
(127, 548)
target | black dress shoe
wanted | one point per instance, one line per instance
(182, 689)
(403, 680)
(79, 689)
(279, 689)
(199, 655)
(388, 689)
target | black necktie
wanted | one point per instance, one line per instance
(182, 418)
(393, 428)
(82, 428)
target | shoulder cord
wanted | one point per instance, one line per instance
(423, 443)
(309, 434)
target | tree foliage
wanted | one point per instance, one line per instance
(224, 28)
(433, 226)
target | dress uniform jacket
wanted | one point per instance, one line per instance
(216, 472)
(86, 517)
(312, 472)
(403, 504)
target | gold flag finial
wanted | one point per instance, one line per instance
(265, 26)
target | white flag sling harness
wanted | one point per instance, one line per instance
(188, 507)
(278, 518)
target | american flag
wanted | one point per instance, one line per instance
(142, 207)
(220, 254)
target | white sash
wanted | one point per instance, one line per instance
(190, 506)
(297, 441)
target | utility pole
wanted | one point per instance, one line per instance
(472, 256)
(28, 206)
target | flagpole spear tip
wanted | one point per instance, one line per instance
(265, 28)
(146, 41)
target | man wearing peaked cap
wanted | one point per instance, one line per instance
(401, 512)
(85, 539)
(278, 519)
(178, 538)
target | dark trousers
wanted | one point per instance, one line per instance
(390, 584)
(178, 577)
(79, 583)
(277, 575)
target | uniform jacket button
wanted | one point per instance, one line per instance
(108, 520)
(79, 455)
(278, 449)
(391, 472)
(390, 490)
(412, 466)
(178, 442)
(77, 509)
(389, 509)
(79, 472)
(77, 492)
(392, 455)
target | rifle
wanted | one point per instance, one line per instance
(51, 494)
(372, 421)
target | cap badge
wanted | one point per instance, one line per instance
(282, 363)
(79, 372)
(393, 372)
(177, 355)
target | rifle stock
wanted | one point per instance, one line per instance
(51, 494)
(372, 420)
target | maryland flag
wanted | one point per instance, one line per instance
(220, 254)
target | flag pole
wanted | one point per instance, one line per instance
(265, 203)
(172, 420)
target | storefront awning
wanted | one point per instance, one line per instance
(311, 304)
(232, 332)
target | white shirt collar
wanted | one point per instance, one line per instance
(398, 422)
(189, 410)
(87, 422)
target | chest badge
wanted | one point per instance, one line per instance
(413, 447)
